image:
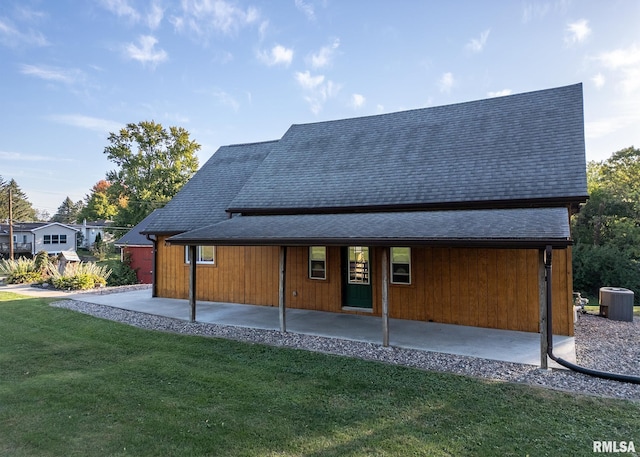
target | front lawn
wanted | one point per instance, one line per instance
(75, 385)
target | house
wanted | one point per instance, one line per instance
(139, 249)
(31, 237)
(455, 214)
(89, 231)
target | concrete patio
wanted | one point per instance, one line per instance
(503, 345)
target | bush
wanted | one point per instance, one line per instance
(604, 266)
(78, 276)
(20, 271)
(122, 274)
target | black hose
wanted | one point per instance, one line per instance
(588, 371)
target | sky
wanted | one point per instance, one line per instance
(71, 72)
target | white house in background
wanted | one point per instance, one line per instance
(89, 231)
(54, 238)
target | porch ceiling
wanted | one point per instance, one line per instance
(517, 228)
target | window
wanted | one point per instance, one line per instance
(47, 239)
(358, 265)
(55, 239)
(401, 265)
(63, 239)
(205, 254)
(317, 262)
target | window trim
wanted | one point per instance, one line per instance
(199, 260)
(324, 264)
(392, 263)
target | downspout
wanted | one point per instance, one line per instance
(154, 265)
(561, 361)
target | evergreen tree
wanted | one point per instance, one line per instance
(22, 209)
(67, 212)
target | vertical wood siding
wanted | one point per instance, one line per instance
(494, 288)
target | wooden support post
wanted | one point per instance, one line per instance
(282, 288)
(385, 297)
(193, 261)
(542, 299)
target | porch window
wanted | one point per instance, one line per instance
(205, 255)
(317, 262)
(401, 265)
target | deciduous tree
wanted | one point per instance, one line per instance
(152, 166)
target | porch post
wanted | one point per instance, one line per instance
(192, 281)
(385, 296)
(542, 299)
(282, 288)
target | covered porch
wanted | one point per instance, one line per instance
(493, 344)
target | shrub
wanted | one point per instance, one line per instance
(78, 276)
(122, 274)
(20, 271)
(41, 261)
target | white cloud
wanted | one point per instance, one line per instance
(62, 75)
(306, 9)
(539, 9)
(317, 90)
(307, 81)
(577, 32)
(598, 80)
(379, 108)
(324, 56)
(477, 44)
(155, 15)
(620, 58)
(499, 93)
(626, 65)
(121, 8)
(357, 101)
(87, 122)
(203, 17)
(226, 99)
(446, 82)
(22, 157)
(12, 37)
(146, 52)
(278, 55)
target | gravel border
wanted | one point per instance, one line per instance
(601, 344)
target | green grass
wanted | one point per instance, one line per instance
(75, 385)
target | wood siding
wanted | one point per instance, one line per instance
(240, 275)
(494, 288)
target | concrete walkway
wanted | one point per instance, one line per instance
(503, 345)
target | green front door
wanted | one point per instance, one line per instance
(356, 274)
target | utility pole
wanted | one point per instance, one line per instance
(10, 224)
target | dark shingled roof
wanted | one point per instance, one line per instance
(134, 237)
(532, 227)
(526, 149)
(204, 199)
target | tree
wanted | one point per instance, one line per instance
(22, 209)
(99, 204)
(67, 212)
(153, 165)
(606, 231)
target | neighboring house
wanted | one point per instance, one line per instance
(439, 214)
(89, 231)
(31, 237)
(54, 238)
(139, 249)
